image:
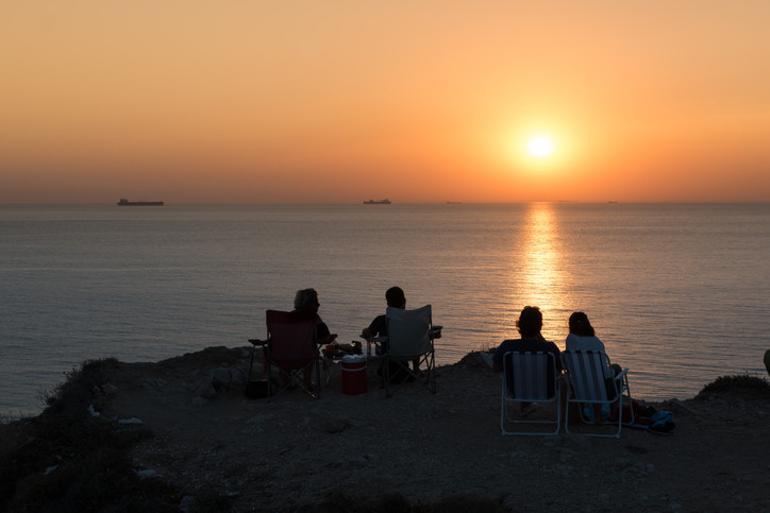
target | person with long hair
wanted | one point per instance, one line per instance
(582, 336)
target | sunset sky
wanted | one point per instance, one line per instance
(339, 101)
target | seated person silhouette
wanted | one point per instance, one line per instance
(582, 337)
(306, 306)
(529, 325)
(394, 298)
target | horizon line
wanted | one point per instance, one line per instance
(396, 203)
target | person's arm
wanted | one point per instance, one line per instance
(323, 334)
(376, 327)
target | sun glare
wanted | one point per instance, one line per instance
(540, 146)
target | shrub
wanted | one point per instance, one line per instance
(66, 461)
(738, 384)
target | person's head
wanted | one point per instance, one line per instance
(306, 300)
(530, 322)
(395, 297)
(580, 325)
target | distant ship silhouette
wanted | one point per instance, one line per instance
(385, 201)
(125, 203)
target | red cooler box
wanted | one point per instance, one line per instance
(353, 370)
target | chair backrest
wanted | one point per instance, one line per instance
(529, 376)
(409, 331)
(291, 337)
(586, 373)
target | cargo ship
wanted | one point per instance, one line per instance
(385, 201)
(125, 203)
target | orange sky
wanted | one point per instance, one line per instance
(241, 101)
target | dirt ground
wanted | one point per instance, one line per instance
(289, 450)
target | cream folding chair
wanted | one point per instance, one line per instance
(592, 384)
(529, 377)
(410, 339)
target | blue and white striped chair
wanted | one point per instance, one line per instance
(529, 377)
(595, 386)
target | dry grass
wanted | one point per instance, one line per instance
(742, 384)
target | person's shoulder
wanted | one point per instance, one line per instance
(302, 315)
(379, 323)
(506, 345)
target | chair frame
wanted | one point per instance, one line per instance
(589, 386)
(428, 357)
(295, 375)
(508, 397)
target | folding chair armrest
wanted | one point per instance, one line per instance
(257, 342)
(435, 331)
(376, 341)
(622, 374)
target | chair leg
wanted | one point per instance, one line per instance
(318, 379)
(430, 377)
(251, 362)
(386, 376)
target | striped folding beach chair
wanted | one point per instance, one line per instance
(529, 377)
(593, 385)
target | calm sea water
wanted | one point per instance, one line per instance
(679, 293)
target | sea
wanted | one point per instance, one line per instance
(679, 293)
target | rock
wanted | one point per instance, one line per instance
(220, 377)
(333, 425)
(50, 469)
(146, 473)
(206, 389)
(130, 421)
(566, 455)
(154, 383)
(186, 504)
(580, 441)
(109, 389)
(92, 411)
(199, 401)
(224, 378)
(633, 449)
(237, 376)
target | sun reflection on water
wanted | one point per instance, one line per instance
(543, 283)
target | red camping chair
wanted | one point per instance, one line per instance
(291, 347)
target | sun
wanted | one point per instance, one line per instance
(540, 146)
